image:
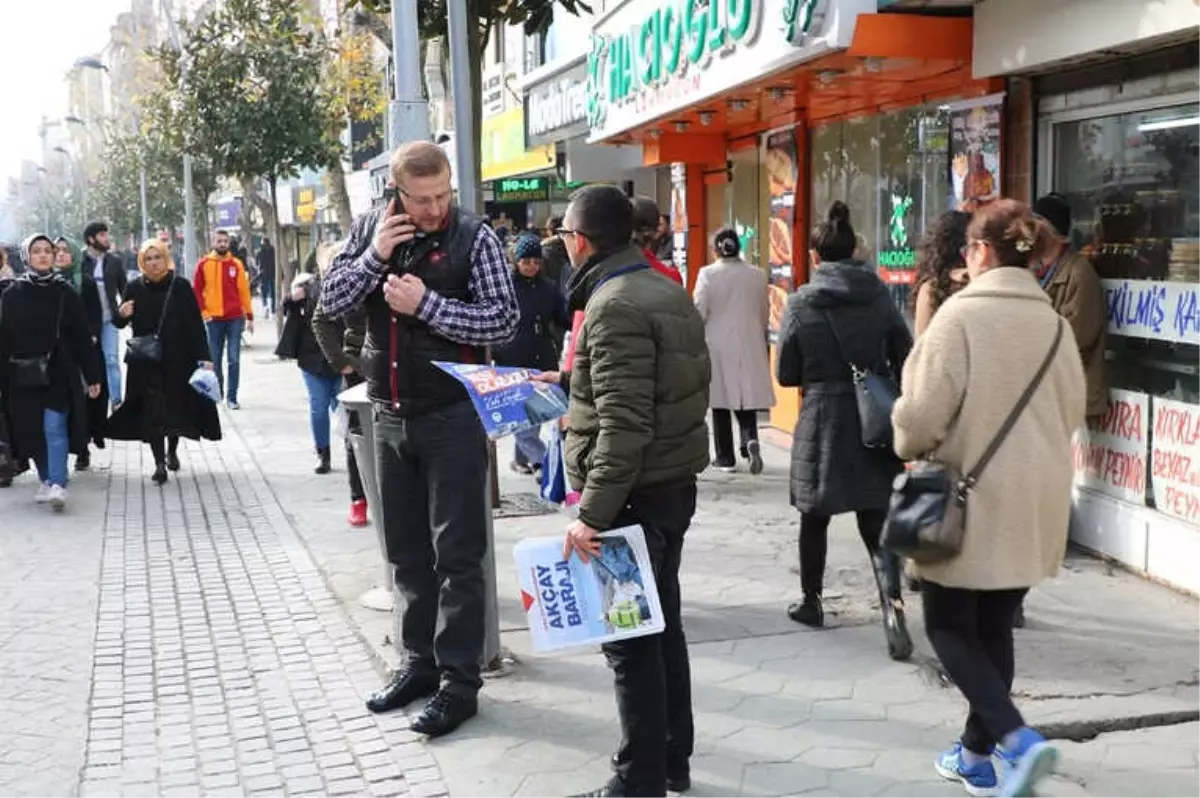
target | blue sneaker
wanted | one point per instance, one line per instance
(1026, 763)
(978, 779)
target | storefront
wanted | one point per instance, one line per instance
(505, 158)
(768, 110)
(1120, 139)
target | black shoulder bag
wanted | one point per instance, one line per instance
(927, 516)
(143, 349)
(875, 395)
(34, 372)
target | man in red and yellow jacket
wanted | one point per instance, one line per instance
(223, 292)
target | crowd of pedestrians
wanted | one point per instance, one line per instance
(1006, 365)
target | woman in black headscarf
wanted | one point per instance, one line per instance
(44, 345)
(67, 264)
(160, 405)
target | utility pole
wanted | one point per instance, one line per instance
(465, 141)
(190, 255)
(408, 110)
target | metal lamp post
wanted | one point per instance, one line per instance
(189, 213)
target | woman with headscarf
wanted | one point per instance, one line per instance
(160, 405)
(66, 263)
(44, 345)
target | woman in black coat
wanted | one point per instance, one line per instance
(160, 405)
(844, 314)
(298, 342)
(44, 346)
(67, 264)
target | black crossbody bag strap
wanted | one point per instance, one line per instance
(969, 481)
(162, 317)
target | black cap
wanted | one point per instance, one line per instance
(1055, 209)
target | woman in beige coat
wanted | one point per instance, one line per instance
(731, 296)
(964, 376)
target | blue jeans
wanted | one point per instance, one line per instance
(226, 336)
(322, 400)
(52, 466)
(530, 448)
(110, 344)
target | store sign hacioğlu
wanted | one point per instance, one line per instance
(648, 59)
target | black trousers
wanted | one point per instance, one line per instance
(652, 675)
(160, 447)
(723, 433)
(433, 484)
(814, 548)
(357, 493)
(972, 633)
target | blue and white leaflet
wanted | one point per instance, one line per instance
(572, 603)
(506, 400)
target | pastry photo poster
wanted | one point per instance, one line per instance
(783, 167)
(975, 152)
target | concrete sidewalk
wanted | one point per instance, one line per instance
(779, 709)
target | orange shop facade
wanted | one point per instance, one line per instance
(765, 111)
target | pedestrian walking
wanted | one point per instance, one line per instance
(111, 279)
(966, 376)
(341, 341)
(45, 346)
(67, 264)
(535, 346)
(223, 293)
(731, 296)
(168, 345)
(645, 234)
(843, 316)
(941, 267)
(636, 438)
(664, 239)
(323, 383)
(436, 286)
(266, 276)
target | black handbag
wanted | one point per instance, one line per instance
(148, 348)
(875, 395)
(927, 515)
(34, 372)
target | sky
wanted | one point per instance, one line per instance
(42, 40)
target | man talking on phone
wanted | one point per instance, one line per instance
(435, 285)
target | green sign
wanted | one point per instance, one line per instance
(521, 189)
(670, 39)
(798, 17)
(897, 229)
(898, 259)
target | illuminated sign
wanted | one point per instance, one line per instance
(522, 189)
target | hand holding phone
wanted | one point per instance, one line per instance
(394, 228)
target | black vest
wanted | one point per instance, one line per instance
(398, 351)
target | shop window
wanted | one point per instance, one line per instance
(1132, 181)
(747, 202)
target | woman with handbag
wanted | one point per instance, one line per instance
(843, 341)
(994, 390)
(44, 346)
(168, 344)
(67, 263)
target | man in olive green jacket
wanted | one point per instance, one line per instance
(1076, 293)
(636, 438)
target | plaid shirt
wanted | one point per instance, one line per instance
(489, 319)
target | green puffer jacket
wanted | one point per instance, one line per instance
(639, 387)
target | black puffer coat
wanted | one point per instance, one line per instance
(832, 472)
(543, 316)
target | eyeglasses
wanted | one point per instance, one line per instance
(966, 250)
(425, 202)
(563, 232)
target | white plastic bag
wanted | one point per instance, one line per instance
(204, 382)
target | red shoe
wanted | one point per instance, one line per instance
(358, 513)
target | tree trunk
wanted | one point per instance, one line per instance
(338, 194)
(475, 56)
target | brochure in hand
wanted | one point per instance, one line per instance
(573, 603)
(506, 400)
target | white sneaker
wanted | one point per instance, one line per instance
(58, 497)
(43, 493)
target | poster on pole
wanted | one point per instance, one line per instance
(783, 171)
(1111, 457)
(975, 131)
(1174, 464)
(679, 217)
(572, 603)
